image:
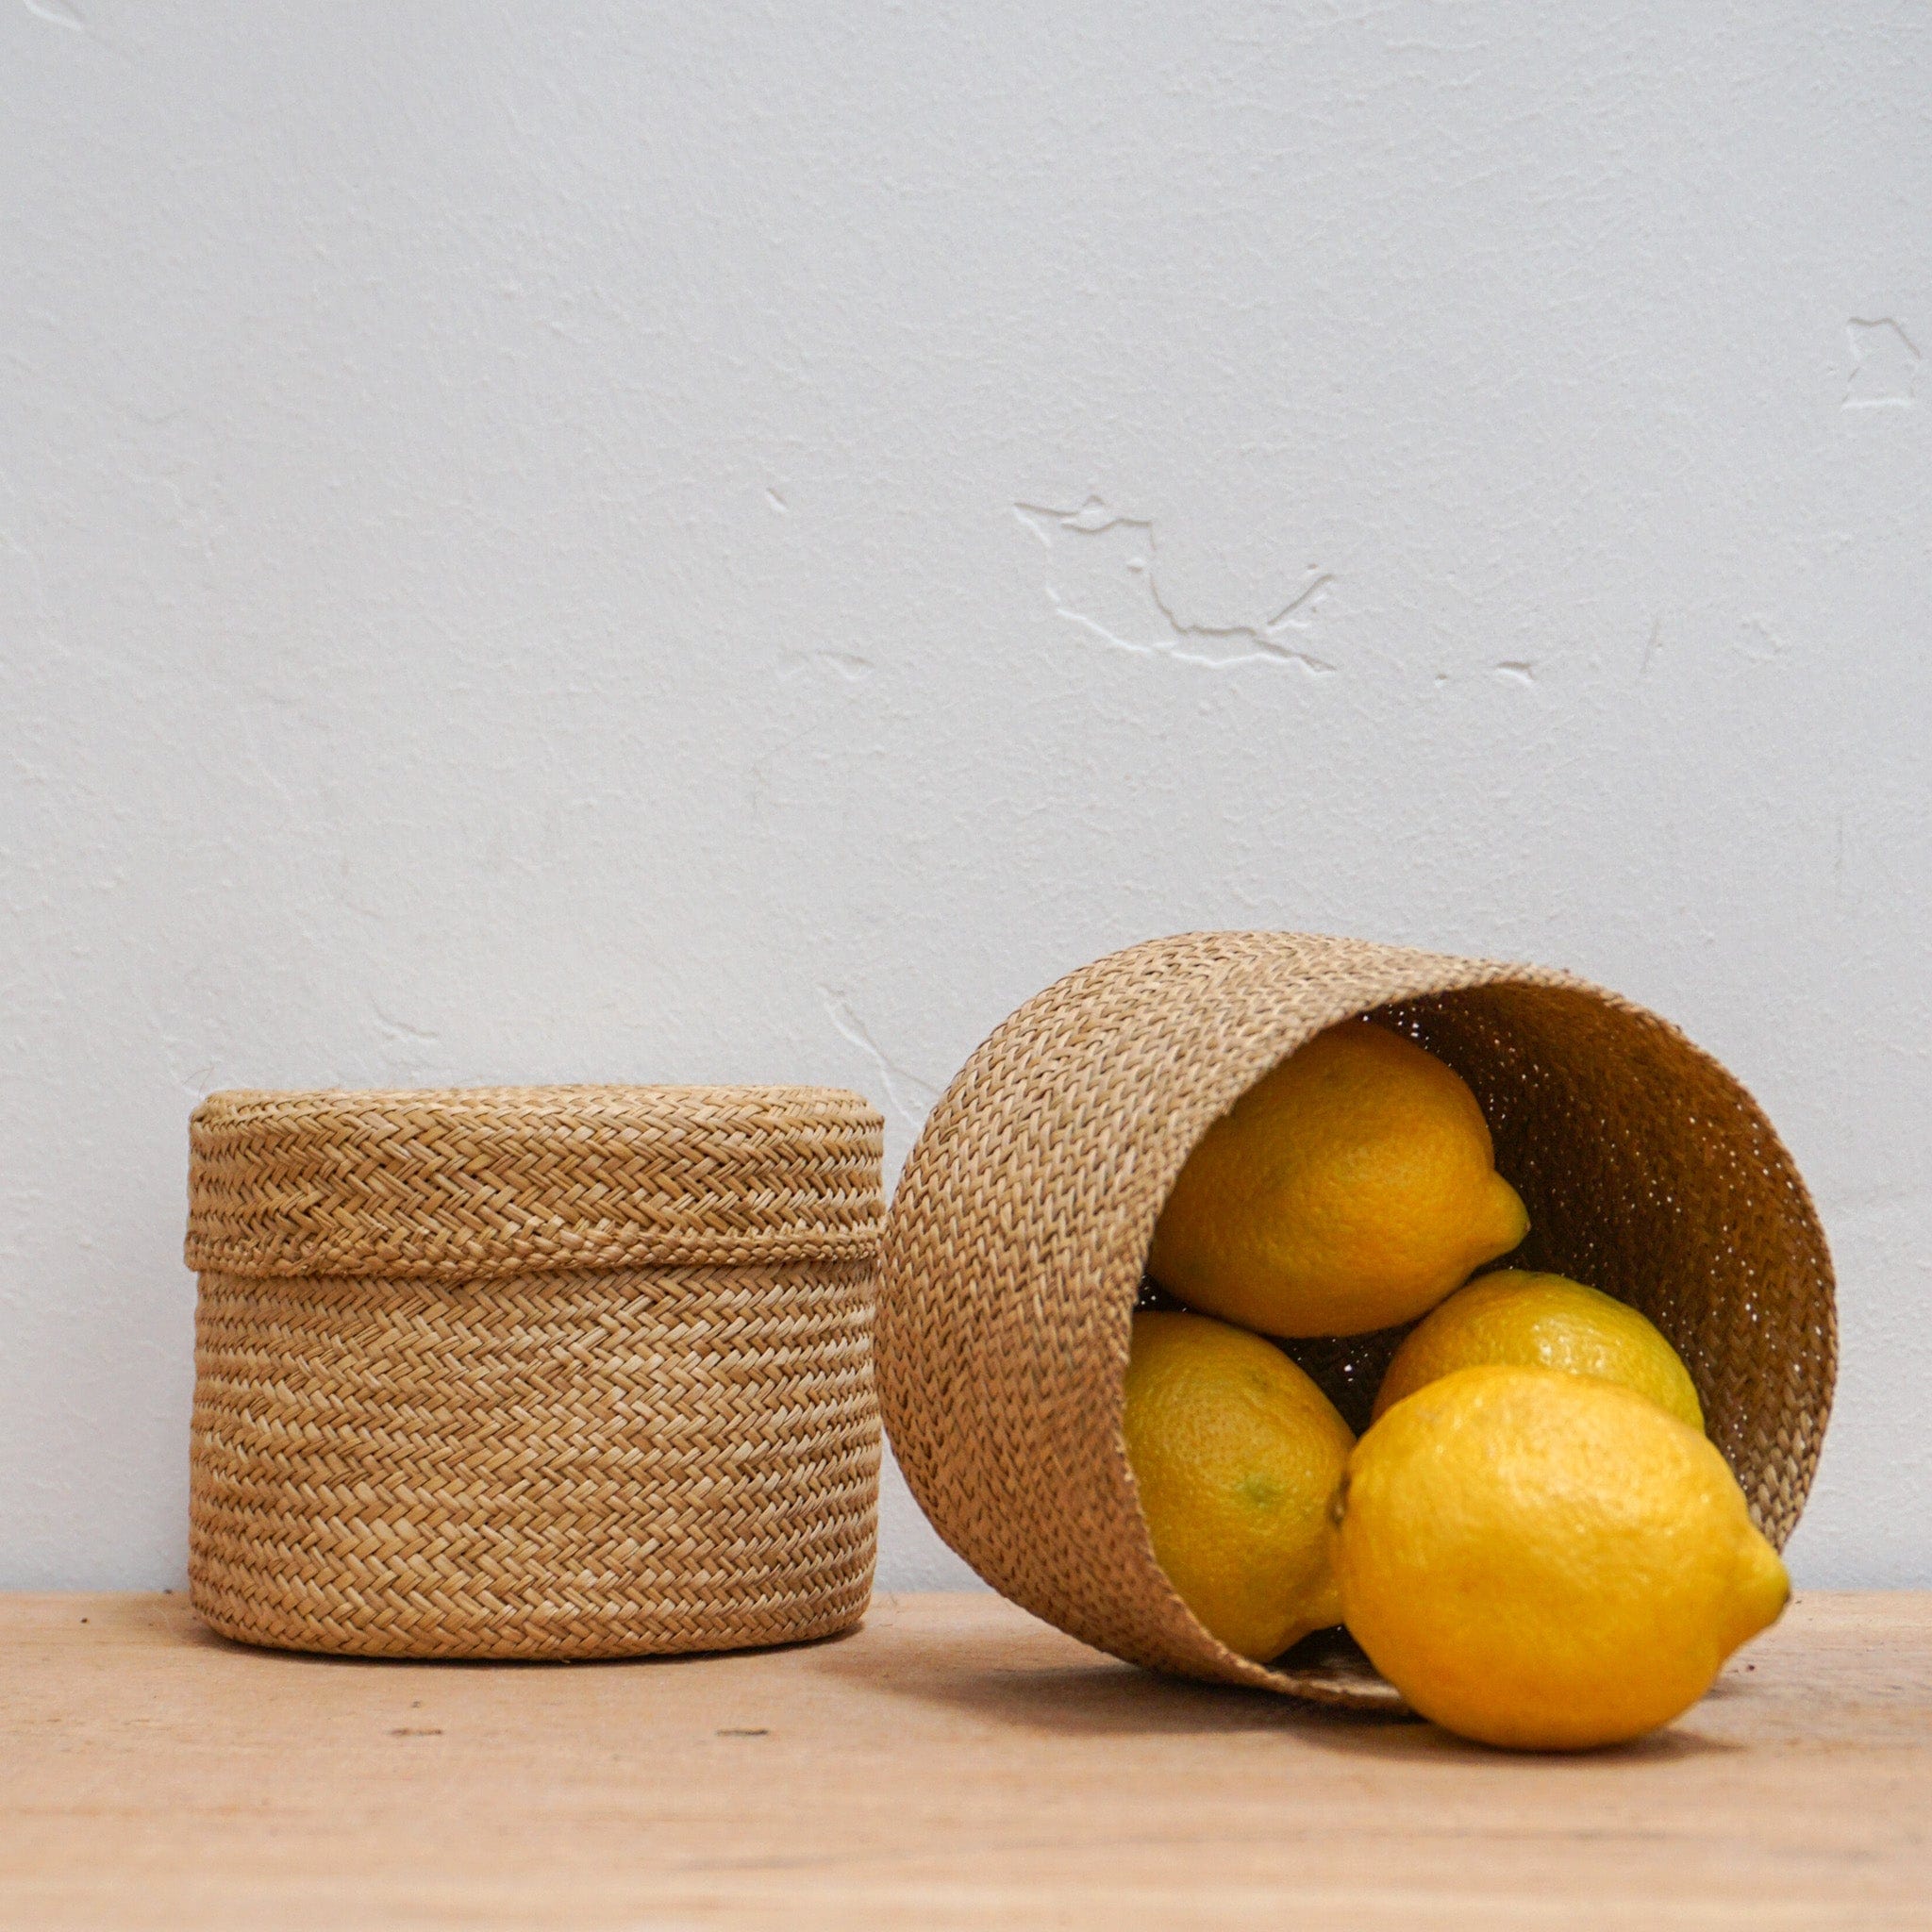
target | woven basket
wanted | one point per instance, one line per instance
(534, 1373)
(1012, 1255)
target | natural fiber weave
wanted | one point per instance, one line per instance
(1012, 1255)
(569, 1372)
(484, 1181)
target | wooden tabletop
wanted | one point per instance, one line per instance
(954, 1763)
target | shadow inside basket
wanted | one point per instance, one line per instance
(1331, 1667)
(1347, 1369)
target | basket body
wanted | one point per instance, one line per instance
(1012, 1256)
(542, 1373)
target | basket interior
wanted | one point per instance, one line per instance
(1644, 1172)
(1650, 1175)
(1646, 1180)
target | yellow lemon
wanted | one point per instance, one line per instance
(1349, 1190)
(1547, 1560)
(1235, 1454)
(1548, 1321)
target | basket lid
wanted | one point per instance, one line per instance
(507, 1180)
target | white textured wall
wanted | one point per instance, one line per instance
(686, 543)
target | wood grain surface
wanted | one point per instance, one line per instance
(954, 1763)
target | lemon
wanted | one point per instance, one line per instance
(1547, 1560)
(1235, 1454)
(1542, 1320)
(1349, 1190)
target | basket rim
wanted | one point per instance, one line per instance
(554, 1101)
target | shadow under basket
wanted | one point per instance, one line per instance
(534, 1372)
(1013, 1254)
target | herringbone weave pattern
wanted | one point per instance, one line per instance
(534, 1373)
(1012, 1256)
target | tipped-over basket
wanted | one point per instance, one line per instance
(1012, 1255)
(534, 1373)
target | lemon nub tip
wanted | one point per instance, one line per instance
(1511, 1217)
(1766, 1592)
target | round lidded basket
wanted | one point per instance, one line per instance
(1012, 1256)
(566, 1371)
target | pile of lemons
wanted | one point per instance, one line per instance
(1533, 1541)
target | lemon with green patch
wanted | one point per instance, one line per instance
(1236, 1453)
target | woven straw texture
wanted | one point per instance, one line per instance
(538, 1373)
(1012, 1256)
(479, 1182)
